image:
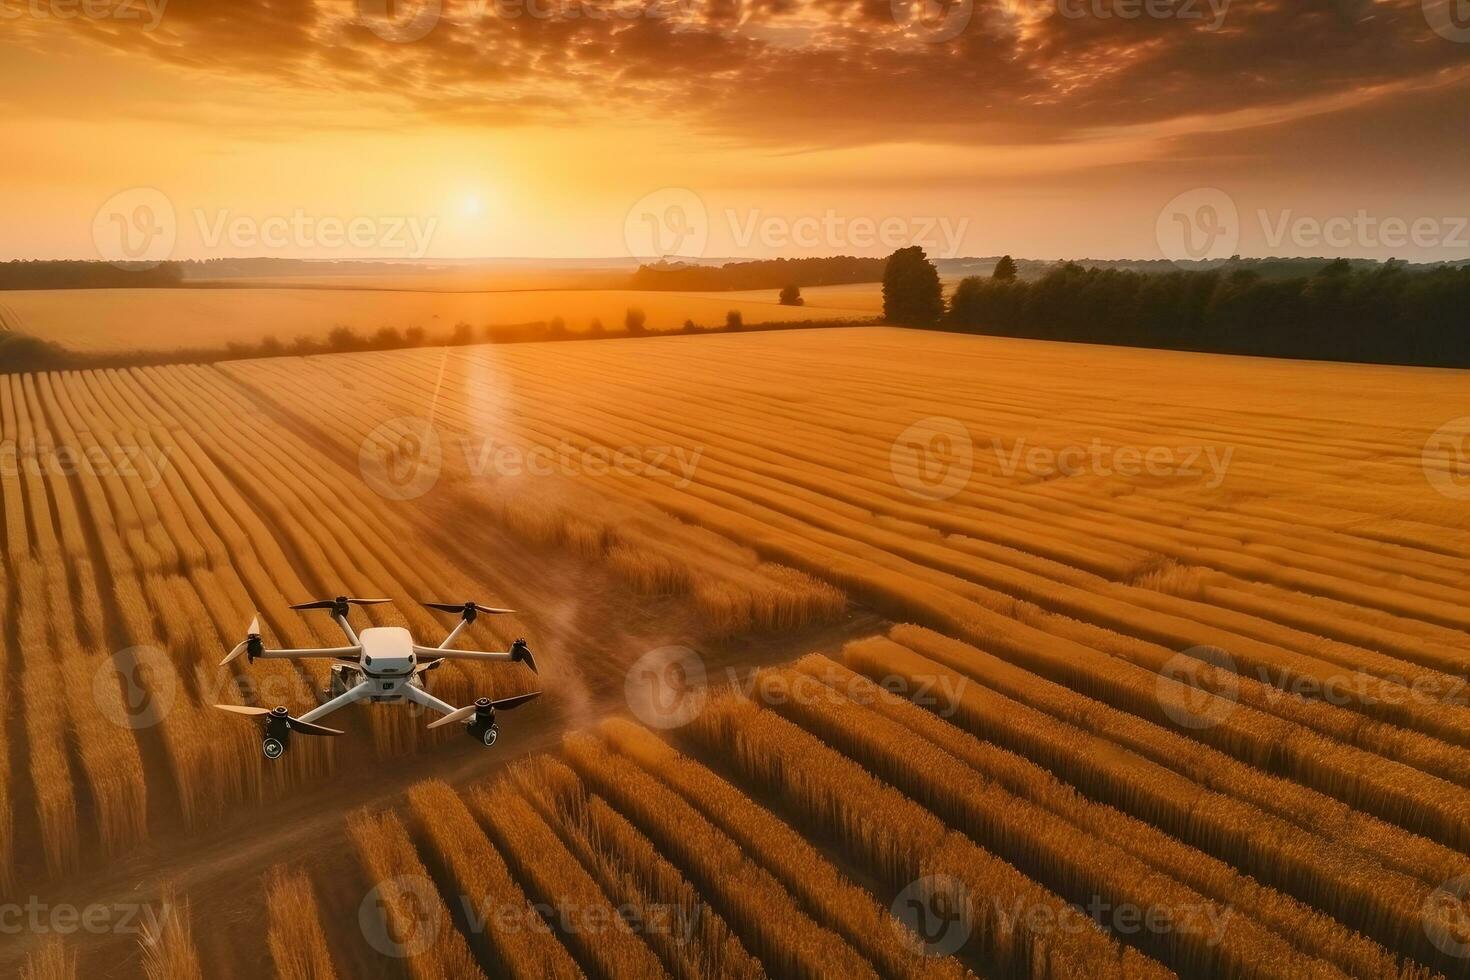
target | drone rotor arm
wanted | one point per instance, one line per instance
(441, 653)
(350, 696)
(327, 653)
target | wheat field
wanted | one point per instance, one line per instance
(1020, 660)
(212, 317)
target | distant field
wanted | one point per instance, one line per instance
(165, 319)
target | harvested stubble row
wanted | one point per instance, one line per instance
(589, 924)
(769, 921)
(297, 942)
(825, 893)
(693, 942)
(481, 878)
(409, 903)
(1355, 886)
(1309, 930)
(900, 842)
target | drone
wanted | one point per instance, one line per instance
(383, 665)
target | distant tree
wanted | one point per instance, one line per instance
(595, 328)
(911, 292)
(635, 321)
(387, 338)
(343, 338)
(1337, 267)
(463, 334)
(271, 347)
(1005, 269)
(557, 328)
(734, 321)
(791, 296)
(413, 336)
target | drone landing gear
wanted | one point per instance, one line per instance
(482, 727)
(278, 727)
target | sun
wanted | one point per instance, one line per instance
(472, 206)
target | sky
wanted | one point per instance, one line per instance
(335, 129)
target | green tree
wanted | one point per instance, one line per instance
(1005, 269)
(635, 321)
(791, 296)
(734, 321)
(911, 292)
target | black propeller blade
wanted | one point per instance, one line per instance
(469, 610)
(520, 652)
(339, 605)
(279, 716)
(483, 709)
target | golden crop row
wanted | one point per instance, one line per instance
(809, 876)
(404, 897)
(692, 940)
(1309, 930)
(1360, 887)
(480, 875)
(294, 933)
(772, 924)
(901, 842)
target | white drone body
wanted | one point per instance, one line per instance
(383, 665)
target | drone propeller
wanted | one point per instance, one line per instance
(469, 610)
(279, 714)
(340, 600)
(251, 643)
(484, 704)
(521, 651)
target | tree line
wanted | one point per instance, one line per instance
(78, 274)
(763, 274)
(1382, 314)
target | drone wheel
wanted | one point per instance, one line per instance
(490, 734)
(273, 748)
